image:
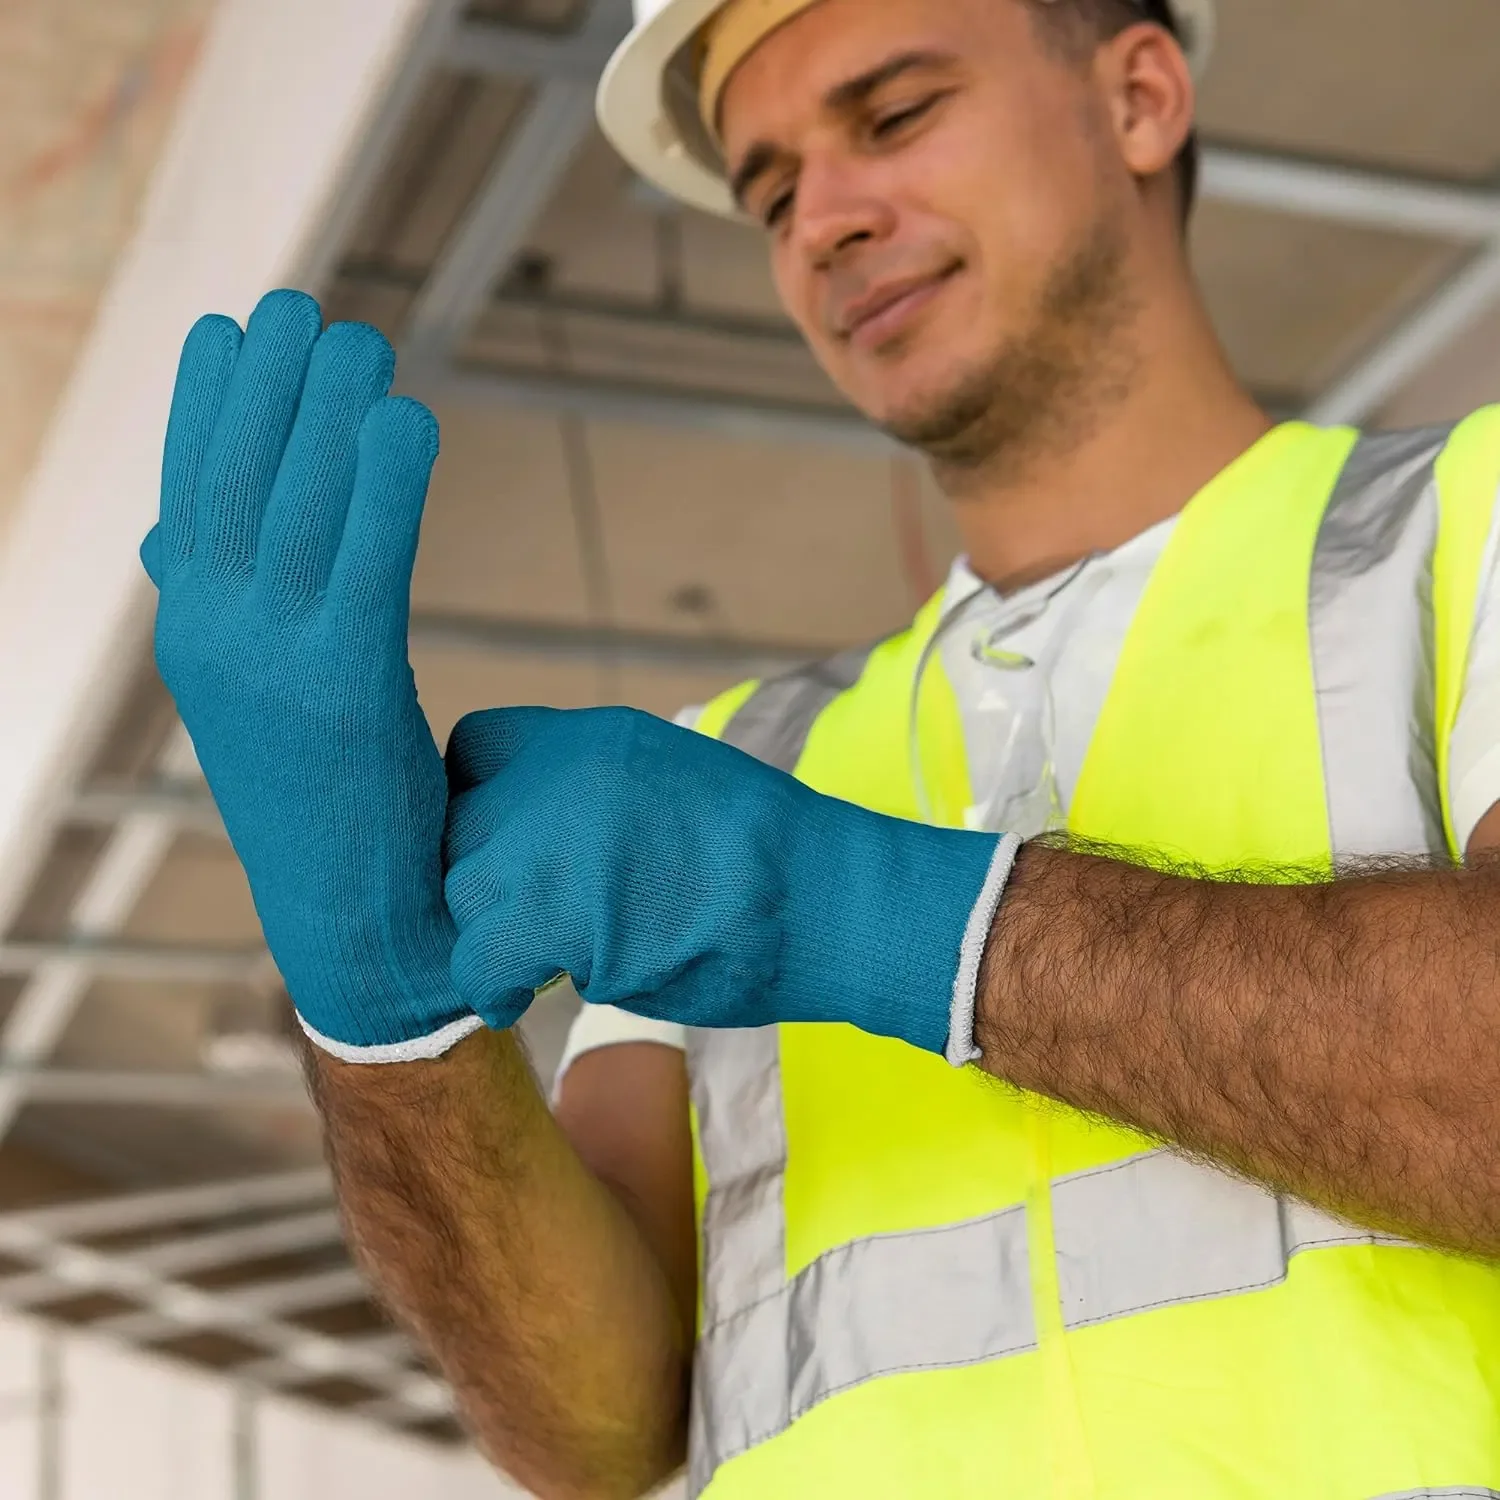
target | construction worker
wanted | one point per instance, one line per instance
(1093, 826)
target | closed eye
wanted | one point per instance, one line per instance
(890, 124)
(777, 209)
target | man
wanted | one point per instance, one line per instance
(1248, 1249)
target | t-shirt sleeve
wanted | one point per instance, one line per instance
(1474, 754)
(599, 1026)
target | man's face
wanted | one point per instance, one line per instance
(936, 186)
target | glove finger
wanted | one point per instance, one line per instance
(371, 578)
(351, 369)
(504, 958)
(483, 744)
(204, 374)
(254, 425)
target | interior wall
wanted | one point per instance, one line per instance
(83, 1420)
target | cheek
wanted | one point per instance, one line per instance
(797, 290)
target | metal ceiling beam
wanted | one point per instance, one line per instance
(131, 1211)
(1454, 307)
(334, 1287)
(542, 145)
(424, 47)
(194, 1254)
(272, 1299)
(392, 1413)
(184, 1090)
(757, 331)
(747, 418)
(761, 334)
(227, 1247)
(518, 52)
(388, 1343)
(586, 643)
(187, 804)
(162, 963)
(1350, 195)
(52, 994)
(191, 1309)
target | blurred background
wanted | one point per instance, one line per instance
(647, 493)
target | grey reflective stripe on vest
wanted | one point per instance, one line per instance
(774, 722)
(1157, 1230)
(1463, 1492)
(1151, 1231)
(760, 1370)
(1370, 619)
(743, 1377)
(737, 1093)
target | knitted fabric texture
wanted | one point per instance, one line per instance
(679, 878)
(292, 493)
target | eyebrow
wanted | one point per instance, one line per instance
(759, 159)
(838, 100)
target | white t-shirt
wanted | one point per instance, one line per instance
(1072, 628)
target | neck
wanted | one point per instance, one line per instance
(1143, 454)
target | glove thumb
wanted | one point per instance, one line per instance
(483, 744)
(151, 556)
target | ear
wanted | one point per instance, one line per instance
(1151, 94)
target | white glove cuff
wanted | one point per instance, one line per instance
(961, 1050)
(419, 1049)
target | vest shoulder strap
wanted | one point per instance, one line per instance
(1468, 481)
(772, 718)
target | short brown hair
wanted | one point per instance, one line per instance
(1081, 26)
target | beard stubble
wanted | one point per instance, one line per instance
(1047, 386)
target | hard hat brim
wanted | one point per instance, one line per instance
(637, 120)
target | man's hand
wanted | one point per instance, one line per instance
(681, 879)
(292, 493)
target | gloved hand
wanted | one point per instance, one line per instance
(686, 881)
(292, 493)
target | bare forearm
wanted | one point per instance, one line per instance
(516, 1268)
(1340, 1041)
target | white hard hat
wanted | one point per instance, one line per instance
(649, 96)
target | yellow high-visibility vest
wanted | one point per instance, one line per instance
(917, 1282)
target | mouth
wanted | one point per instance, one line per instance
(887, 312)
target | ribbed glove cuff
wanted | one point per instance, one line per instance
(961, 1050)
(418, 1049)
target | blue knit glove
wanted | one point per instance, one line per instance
(292, 492)
(681, 879)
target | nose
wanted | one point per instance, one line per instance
(837, 211)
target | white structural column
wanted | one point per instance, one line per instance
(275, 122)
(283, 98)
